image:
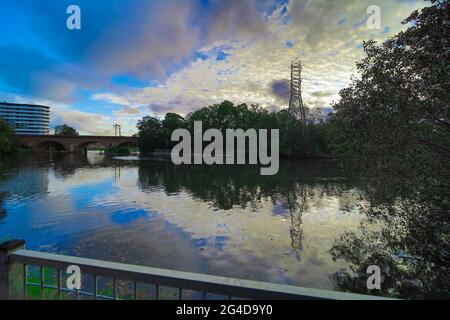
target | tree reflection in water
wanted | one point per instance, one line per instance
(407, 241)
(225, 187)
(412, 248)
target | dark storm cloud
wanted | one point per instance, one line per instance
(280, 89)
(159, 108)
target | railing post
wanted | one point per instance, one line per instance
(11, 274)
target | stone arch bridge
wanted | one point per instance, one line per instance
(72, 144)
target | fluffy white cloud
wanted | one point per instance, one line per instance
(326, 35)
(244, 50)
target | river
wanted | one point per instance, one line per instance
(222, 220)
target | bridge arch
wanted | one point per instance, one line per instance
(127, 144)
(50, 145)
(84, 145)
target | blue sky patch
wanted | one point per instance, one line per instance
(221, 56)
(130, 81)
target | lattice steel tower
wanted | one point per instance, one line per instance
(296, 106)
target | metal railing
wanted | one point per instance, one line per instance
(14, 283)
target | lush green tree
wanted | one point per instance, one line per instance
(65, 130)
(393, 121)
(392, 127)
(171, 122)
(8, 140)
(226, 115)
(219, 116)
(149, 133)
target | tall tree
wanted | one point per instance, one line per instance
(65, 130)
(156, 134)
(149, 133)
(392, 127)
(171, 122)
(8, 139)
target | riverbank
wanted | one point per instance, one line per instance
(164, 155)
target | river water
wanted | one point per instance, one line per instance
(227, 221)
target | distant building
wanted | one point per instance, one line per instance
(26, 118)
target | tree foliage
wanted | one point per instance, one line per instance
(65, 130)
(226, 115)
(392, 127)
(9, 143)
(149, 134)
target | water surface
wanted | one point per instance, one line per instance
(227, 221)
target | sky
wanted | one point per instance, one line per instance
(136, 58)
